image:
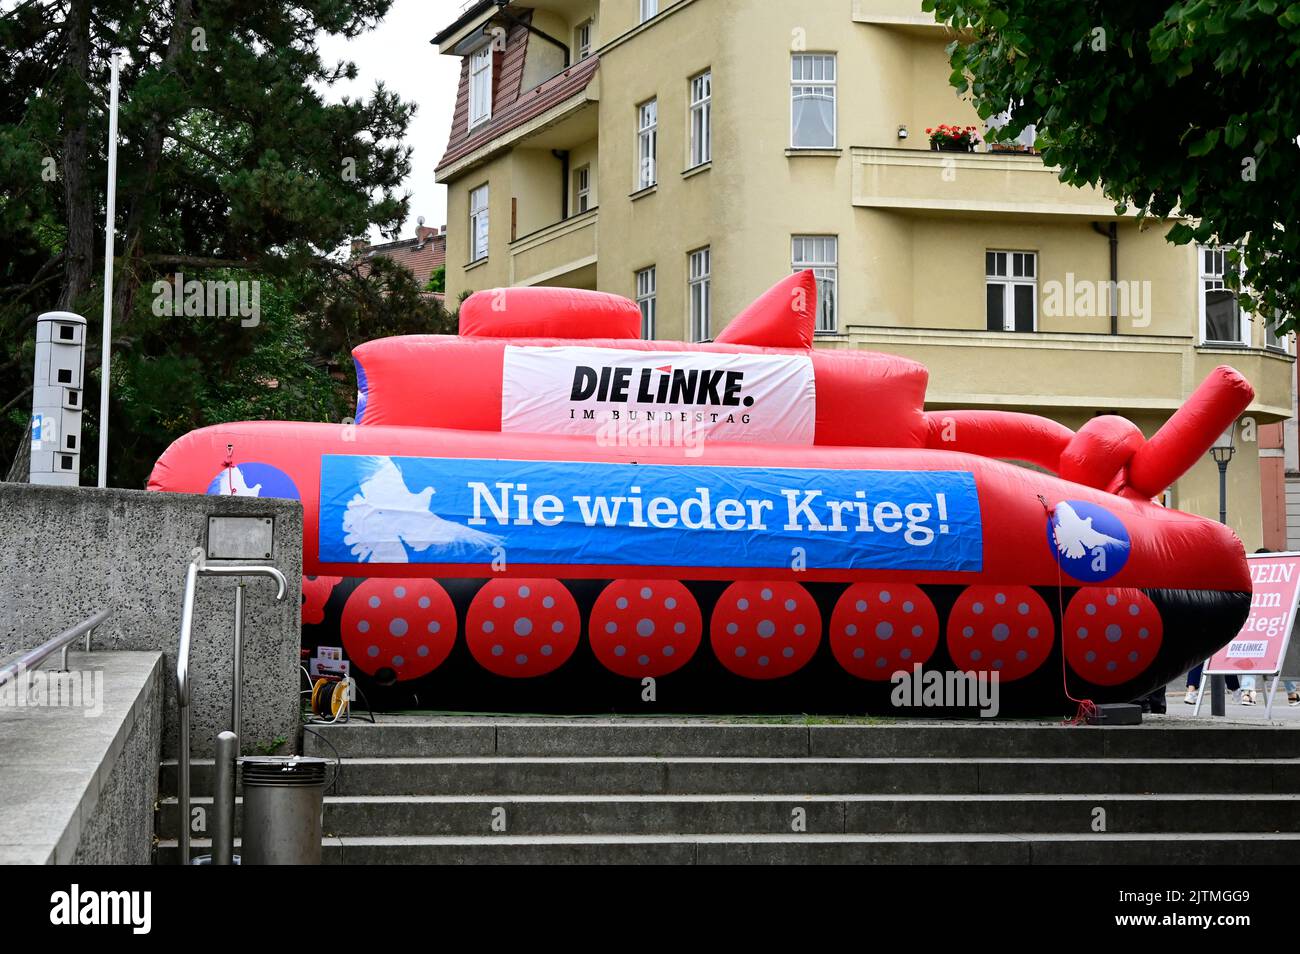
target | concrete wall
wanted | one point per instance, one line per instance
(71, 551)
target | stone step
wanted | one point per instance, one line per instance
(1220, 848)
(397, 815)
(667, 737)
(500, 776)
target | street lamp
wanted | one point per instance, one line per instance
(1221, 450)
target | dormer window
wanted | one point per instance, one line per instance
(480, 86)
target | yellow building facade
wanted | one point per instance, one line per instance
(689, 154)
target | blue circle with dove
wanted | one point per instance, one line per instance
(1087, 540)
(253, 479)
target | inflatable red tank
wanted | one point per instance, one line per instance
(544, 511)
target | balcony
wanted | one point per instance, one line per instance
(903, 14)
(973, 183)
(1047, 372)
(559, 254)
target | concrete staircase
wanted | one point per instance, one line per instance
(495, 790)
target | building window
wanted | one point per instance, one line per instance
(1011, 290)
(480, 86)
(582, 190)
(648, 9)
(701, 270)
(645, 299)
(701, 119)
(821, 254)
(812, 101)
(478, 223)
(647, 138)
(582, 40)
(1222, 321)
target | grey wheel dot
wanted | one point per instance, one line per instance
(620, 650)
(679, 628)
(557, 627)
(851, 629)
(1083, 632)
(799, 629)
(1090, 609)
(374, 602)
(621, 602)
(1001, 631)
(766, 594)
(976, 655)
(524, 591)
(1000, 598)
(766, 628)
(399, 592)
(422, 651)
(1033, 632)
(884, 630)
(859, 653)
(790, 605)
(669, 650)
(787, 652)
(732, 629)
(978, 608)
(521, 659)
(1112, 599)
(523, 626)
(372, 652)
(1133, 609)
(645, 627)
(363, 626)
(498, 601)
(763, 660)
(488, 626)
(1143, 633)
(860, 606)
(1132, 657)
(498, 650)
(968, 631)
(1021, 656)
(740, 650)
(547, 649)
(434, 626)
(997, 664)
(643, 659)
(398, 661)
(884, 596)
(908, 607)
(611, 627)
(1023, 609)
(646, 593)
(881, 662)
(1113, 633)
(742, 604)
(670, 603)
(548, 601)
(1111, 666)
(906, 654)
(917, 630)
(397, 627)
(423, 602)
(1090, 656)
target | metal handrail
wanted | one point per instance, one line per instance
(198, 567)
(34, 657)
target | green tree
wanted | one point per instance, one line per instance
(231, 166)
(1175, 109)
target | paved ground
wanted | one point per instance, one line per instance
(1282, 712)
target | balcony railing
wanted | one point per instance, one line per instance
(557, 250)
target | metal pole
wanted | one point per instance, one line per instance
(105, 360)
(223, 799)
(1219, 684)
(236, 702)
(183, 703)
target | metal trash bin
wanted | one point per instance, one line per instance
(283, 805)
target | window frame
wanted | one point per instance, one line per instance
(699, 106)
(649, 9)
(701, 280)
(647, 144)
(832, 85)
(582, 40)
(477, 76)
(475, 215)
(647, 299)
(1009, 281)
(827, 273)
(582, 189)
(1205, 276)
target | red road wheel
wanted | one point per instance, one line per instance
(645, 627)
(765, 630)
(408, 626)
(316, 592)
(880, 628)
(1112, 634)
(1002, 629)
(522, 628)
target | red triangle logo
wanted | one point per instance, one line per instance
(665, 368)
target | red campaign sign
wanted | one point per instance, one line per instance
(1261, 645)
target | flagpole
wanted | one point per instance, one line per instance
(105, 361)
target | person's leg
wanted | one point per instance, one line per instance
(1248, 690)
(1193, 683)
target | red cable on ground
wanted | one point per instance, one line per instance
(1087, 708)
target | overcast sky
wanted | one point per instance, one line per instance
(399, 53)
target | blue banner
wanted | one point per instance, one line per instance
(451, 510)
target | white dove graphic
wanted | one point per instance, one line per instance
(1075, 536)
(231, 483)
(386, 515)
